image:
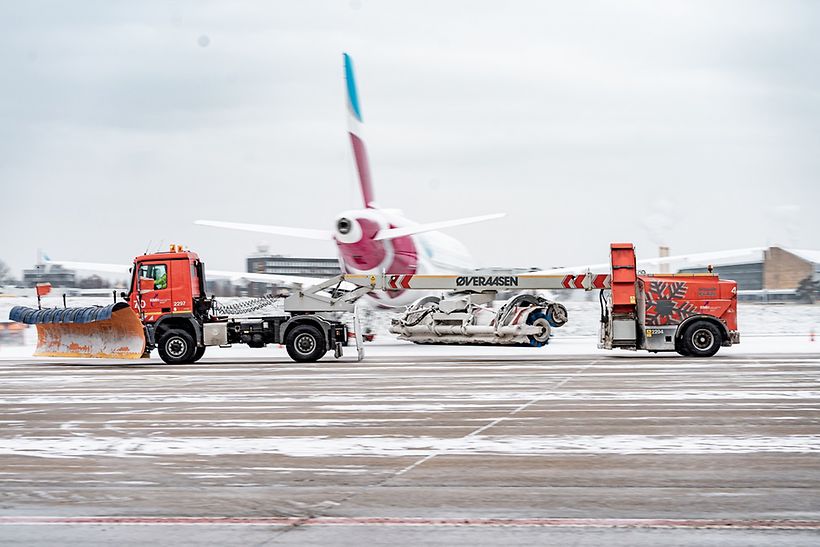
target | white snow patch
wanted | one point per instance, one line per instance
(398, 446)
(365, 402)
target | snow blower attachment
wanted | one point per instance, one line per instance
(110, 332)
(523, 320)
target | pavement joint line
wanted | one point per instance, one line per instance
(532, 522)
(498, 420)
(428, 457)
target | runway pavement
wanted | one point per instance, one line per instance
(497, 448)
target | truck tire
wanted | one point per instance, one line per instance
(305, 344)
(200, 351)
(701, 339)
(176, 347)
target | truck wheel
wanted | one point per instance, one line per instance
(176, 347)
(701, 339)
(198, 354)
(305, 344)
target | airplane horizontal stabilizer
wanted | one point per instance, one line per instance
(305, 233)
(393, 233)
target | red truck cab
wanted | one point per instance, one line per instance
(166, 283)
(167, 291)
(693, 314)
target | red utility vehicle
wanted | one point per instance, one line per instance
(168, 293)
(693, 314)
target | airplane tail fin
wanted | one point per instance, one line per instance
(354, 119)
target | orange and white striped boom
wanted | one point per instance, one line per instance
(479, 282)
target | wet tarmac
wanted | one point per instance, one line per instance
(577, 449)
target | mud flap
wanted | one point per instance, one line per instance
(109, 332)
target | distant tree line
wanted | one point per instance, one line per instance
(808, 290)
(5, 275)
(93, 282)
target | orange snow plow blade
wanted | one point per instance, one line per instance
(108, 332)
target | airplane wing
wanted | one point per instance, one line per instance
(306, 233)
(392, 233)
(287, 280)
(690, 260)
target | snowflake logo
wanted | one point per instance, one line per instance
(664, 304)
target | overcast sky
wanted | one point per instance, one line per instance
(696, 124)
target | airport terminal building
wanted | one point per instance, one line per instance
(294, 265)
(266, 263)
(772, 275)
(54, 274)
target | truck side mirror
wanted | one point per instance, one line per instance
(146, 284)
